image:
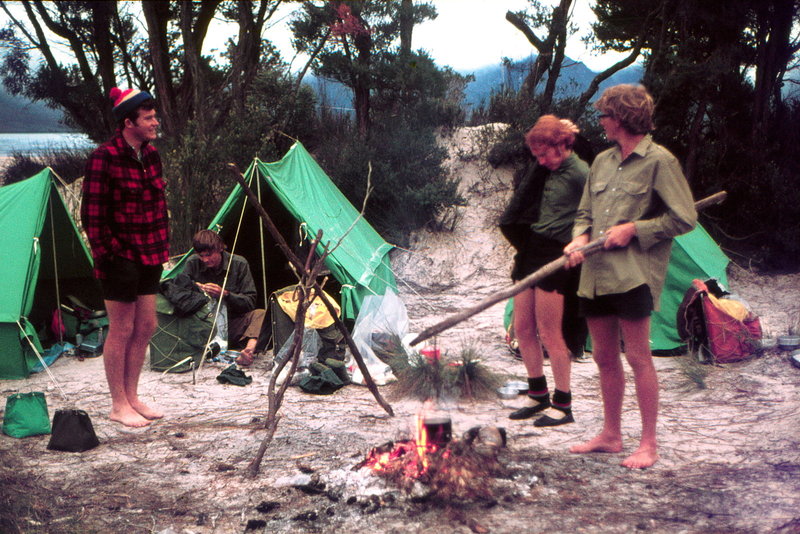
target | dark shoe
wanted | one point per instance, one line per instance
(529, 411)
(562, 418)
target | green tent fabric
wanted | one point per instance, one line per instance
(44, 258)
(178, 338)
(694, 255)
(297, 184)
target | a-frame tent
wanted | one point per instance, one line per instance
(694, 255)
(44, 259)
(301, 199)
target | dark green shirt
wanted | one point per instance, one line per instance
(240, 285)
(560, 198)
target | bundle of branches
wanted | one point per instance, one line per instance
(422, 378)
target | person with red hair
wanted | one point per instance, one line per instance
(538, 311)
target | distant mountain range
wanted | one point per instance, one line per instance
(18, 115)
(574, 79)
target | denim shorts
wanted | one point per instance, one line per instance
(126, 280)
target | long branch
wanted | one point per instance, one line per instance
(534, 278)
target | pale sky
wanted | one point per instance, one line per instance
(467, 34)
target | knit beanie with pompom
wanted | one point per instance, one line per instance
(126, 101)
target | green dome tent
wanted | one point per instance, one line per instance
(44, 259)
(694, 255)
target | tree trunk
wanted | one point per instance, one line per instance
(558, 28)
(362, 85)
(406, 26)
(774, 52)
(156, 15)
(192, 76)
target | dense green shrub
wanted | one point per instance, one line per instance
(409, 184)
(67, 164)
(196, 164)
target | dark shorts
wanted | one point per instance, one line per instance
(538, 252)
(634, 304)
(125, 280)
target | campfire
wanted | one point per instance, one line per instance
(449, 469)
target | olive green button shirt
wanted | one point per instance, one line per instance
(648, 189)
(562, 192)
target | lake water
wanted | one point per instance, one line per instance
(38, 143)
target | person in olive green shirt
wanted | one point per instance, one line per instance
(539, 310)
(636, 196)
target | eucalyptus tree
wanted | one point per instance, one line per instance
(70, 54)
(351, 41)
(721, 73)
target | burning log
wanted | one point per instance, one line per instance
(449, 470)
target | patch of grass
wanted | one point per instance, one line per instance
(461, 378)
(694, 370)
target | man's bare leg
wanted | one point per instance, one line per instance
(144, 327)
(121, 317)
(605, 344)
(637, 352)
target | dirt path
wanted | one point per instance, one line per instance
(729, 439)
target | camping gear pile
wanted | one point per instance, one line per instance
(321, 368)
(717, 328)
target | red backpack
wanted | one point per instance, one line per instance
(715, 328)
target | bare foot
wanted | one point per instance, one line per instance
(130, 418)
(599, 443)
(643, 457)
(146, 411)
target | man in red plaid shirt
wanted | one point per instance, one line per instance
(124, 213)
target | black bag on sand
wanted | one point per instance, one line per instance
(72, 432)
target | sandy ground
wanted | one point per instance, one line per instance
(729, 439)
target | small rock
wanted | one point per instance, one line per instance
(293, 481)
(266, 507)
(255, 524)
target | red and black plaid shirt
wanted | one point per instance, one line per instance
(124, 208)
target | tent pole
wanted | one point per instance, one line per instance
(55, 267)
(261, 245)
